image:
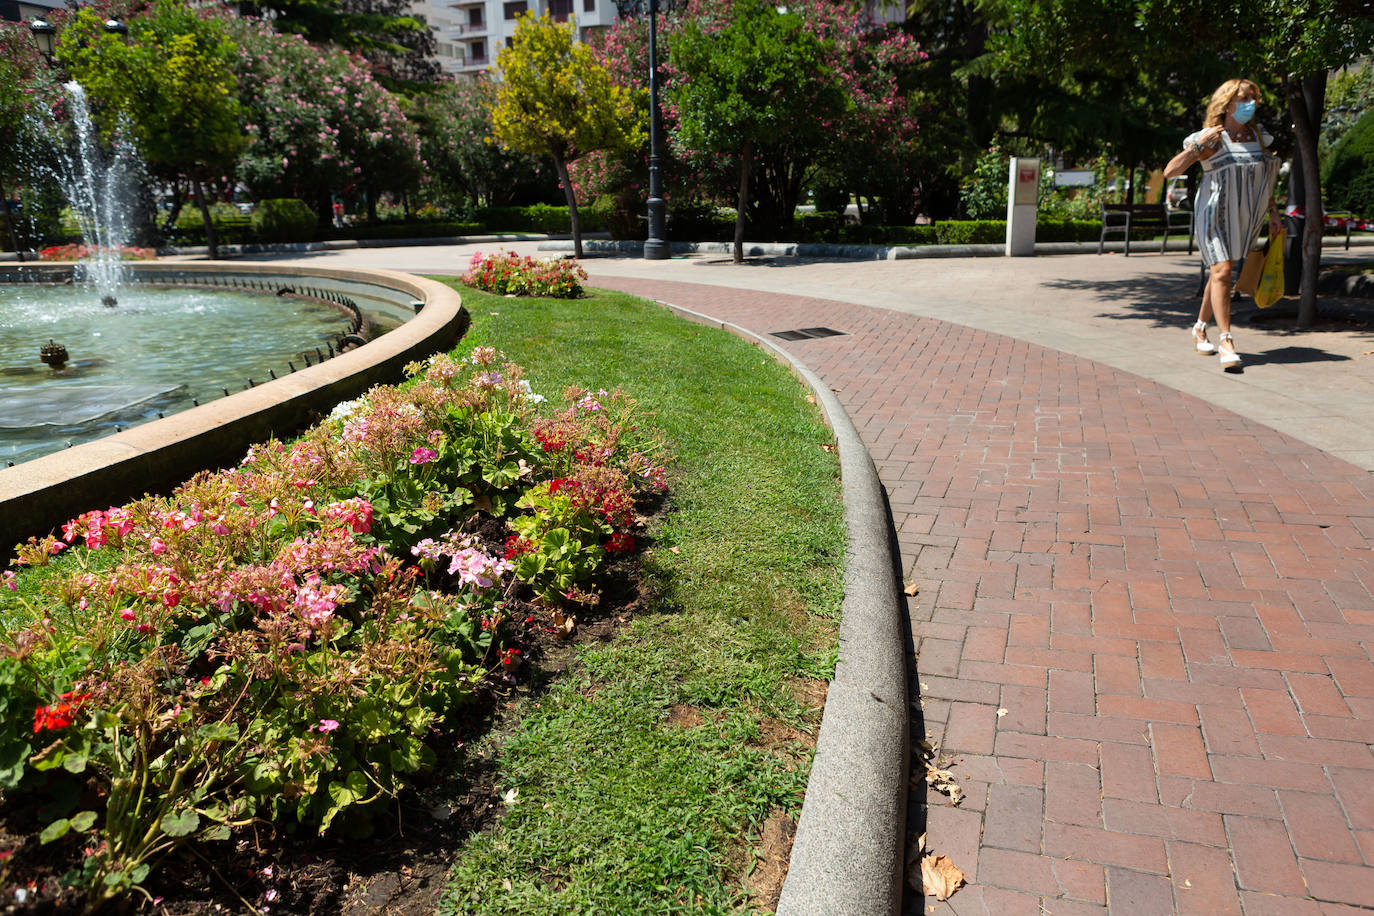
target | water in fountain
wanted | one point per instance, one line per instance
(101, 187)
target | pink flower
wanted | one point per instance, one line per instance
(127, 614)
(327, 725)
(158, 546)
(423, 455)
(7, 579)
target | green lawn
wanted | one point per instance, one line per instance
(618, 810)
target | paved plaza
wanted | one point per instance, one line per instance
(1146, 588)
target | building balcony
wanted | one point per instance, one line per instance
(468, 30)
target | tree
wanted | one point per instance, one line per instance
(27, 81)
(397, 45)
(317, 122)
(748, 78)
(1153, 44)
(455, 129)
(556, 100)
(171, 82)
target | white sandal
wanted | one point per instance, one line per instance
(1230, 359)
(1200, 341)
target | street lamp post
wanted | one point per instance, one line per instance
(655, 248)
(45, 34)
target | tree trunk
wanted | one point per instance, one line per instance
(746, 159)
(9, 222)
(1304, 127)
(211, 240)
(573, 223)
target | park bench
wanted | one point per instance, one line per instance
(1344, 219)
(1122, 218)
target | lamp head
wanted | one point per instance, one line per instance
(45, 34)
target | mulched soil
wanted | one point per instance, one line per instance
(400, 868)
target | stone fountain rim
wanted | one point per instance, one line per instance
(38, 495)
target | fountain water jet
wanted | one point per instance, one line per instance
(101, 189)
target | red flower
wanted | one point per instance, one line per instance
(59, 716)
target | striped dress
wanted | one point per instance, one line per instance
(1233, 198)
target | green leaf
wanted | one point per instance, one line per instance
(83, 821)
(219, 731)
(55, 831)
(180, 823)
(75, 763)
(50, 757)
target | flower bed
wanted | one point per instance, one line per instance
(279, 645)
(507, 273)
(77, 252)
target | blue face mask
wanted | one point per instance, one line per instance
(1244, 111)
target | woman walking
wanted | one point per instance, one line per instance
(1236, 192)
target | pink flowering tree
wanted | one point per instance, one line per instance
(318, 122)
(27, 82)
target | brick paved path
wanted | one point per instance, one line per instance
(1173, 605)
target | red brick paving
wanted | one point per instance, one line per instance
(1171, 602)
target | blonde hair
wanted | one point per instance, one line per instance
(1216, 109)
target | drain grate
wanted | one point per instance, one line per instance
(808, 333)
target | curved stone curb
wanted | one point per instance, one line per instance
(883, 252)
(40, 494)
(847, 857)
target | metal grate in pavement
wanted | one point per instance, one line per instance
(808, 333)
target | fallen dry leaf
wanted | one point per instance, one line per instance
(810, 399)
(940, 877)
(911, 589)
(827, 447)
(1001, 713)
(943, 781)
(674, 550)
(565, 623)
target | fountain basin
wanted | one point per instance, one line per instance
(40, 494)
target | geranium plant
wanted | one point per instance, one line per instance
(507, 273)
(279, 643)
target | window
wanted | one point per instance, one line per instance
(515, 8)
(475, 17)
(477, 52)
(510, 41)
(589, 6)
(560, 10)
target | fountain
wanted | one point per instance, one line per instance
(101, 188)
(174, 368)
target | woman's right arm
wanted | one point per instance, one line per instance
(1196, 147)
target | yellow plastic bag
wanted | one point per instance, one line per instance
(1270, 287)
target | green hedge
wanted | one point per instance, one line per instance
(284, 219)
(537, 218)
(825, 227)
(1348, 178)
(231, 227)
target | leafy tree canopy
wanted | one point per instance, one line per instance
(169, 80)
(555, 99)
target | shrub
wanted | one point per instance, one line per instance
(284, 219)
(79, 252)
(231, 226)
(1348, 179)
(253, 649)
(507, 273)
(971, 232)
(546, 218)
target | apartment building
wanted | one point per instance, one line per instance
(470, 33)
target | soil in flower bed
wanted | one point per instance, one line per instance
(399, 868)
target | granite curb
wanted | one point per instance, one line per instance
(884, 252)
(848, 855)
